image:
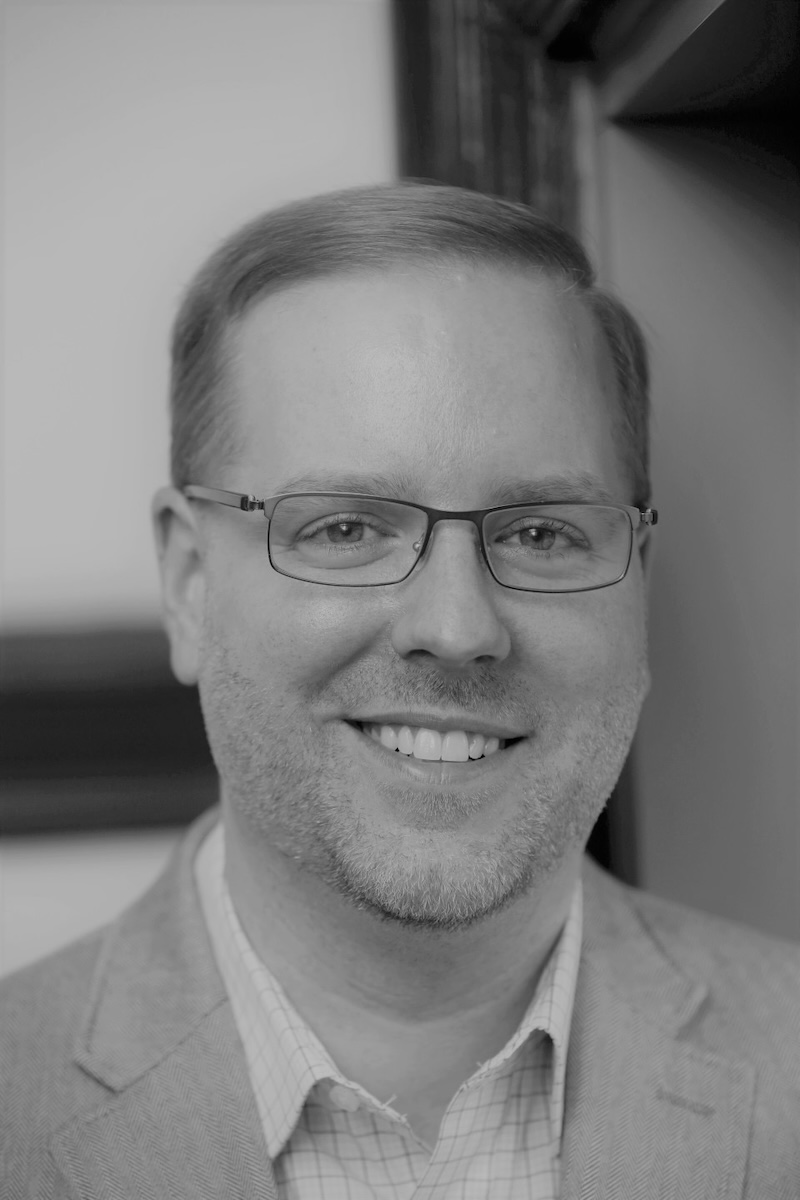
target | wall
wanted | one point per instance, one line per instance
(136, 137)
(701, 237)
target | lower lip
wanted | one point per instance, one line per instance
(476, 770)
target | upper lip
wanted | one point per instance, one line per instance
(443, 723)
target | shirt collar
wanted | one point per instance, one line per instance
(286, 1060)
(550, 1009)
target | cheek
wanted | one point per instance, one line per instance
(596, 645)
(285, 629)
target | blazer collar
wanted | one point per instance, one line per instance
(629, 957)
(649, 1111)
(156, 979)
(181, 1120)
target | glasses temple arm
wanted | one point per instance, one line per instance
(232, 499)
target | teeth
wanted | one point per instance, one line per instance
(428, 745)
(431, 746)
(387, 736)
(477, 743)
(405, 740)
(455, 746)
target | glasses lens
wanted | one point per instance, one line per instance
(558, 547)
(346, 540)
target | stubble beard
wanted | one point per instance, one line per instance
(285, 782)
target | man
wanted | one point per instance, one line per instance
(403, 558)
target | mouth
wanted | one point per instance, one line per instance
(423, 745)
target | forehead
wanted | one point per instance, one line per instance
(457, 378)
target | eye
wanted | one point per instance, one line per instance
(349, 537)
(536, 537)
(543, 535)
(342, 532)
(343, 529)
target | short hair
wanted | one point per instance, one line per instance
(373, 228)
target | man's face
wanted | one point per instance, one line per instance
(462, 381)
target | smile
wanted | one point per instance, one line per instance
(431, 745)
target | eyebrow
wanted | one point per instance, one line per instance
(569, 488)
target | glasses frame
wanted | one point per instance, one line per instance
(638, 517)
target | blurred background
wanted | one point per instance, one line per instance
(136, 137)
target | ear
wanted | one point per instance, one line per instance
(181, 565)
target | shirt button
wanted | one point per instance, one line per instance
(343, 1098)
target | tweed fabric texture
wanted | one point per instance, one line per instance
(329, 1137)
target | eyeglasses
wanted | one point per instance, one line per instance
(345, 540)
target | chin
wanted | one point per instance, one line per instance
(436, 909)
(441, 882)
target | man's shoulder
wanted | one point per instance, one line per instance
(757, 966)
(81, 1025)
(752, 979)
(44, 995)
(703, 932)
(43, 1006)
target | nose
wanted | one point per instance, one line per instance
(449, 602)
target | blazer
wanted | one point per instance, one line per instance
(123, 1077)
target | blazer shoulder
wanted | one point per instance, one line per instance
(726, 947)
(753, 979)
(36, 998)
(43, 1006)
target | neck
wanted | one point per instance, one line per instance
(408, 1014)
(317, 943)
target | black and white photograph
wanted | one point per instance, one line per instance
(399, 594)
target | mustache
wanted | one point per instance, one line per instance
(483, 692)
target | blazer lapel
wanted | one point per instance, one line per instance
(647, 1113)
(187, 1129)
(180, 1119)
